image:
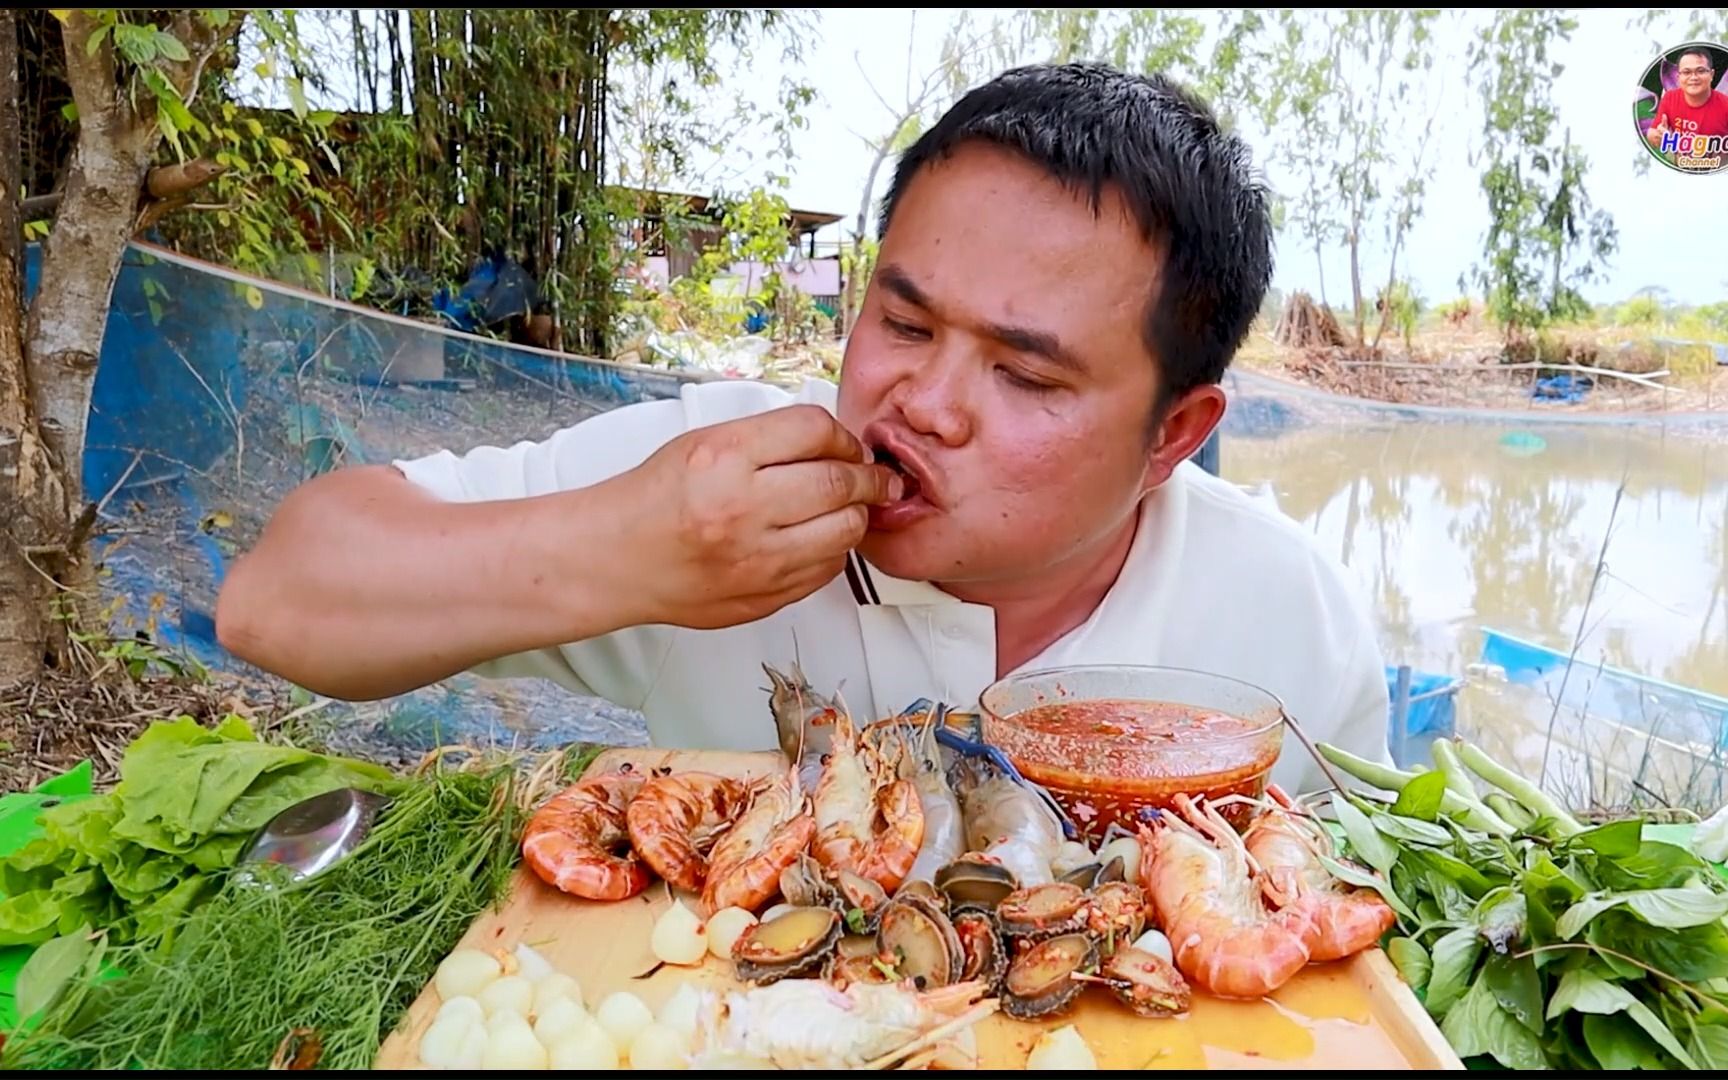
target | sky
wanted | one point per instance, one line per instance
(1601, 67)
(1671, 231)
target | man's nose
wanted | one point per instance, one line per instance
(933, 398)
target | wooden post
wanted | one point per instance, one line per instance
(1401, 716)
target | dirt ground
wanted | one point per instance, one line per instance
(1462, 368)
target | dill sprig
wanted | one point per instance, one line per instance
(331, 963)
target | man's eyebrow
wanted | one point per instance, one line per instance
(1020, 338)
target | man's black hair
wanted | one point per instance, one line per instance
(1187, 182)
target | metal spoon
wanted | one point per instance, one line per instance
(314, 834)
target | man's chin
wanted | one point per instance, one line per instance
(903, 554)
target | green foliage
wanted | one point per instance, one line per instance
(1540, 216)
(1640, 311)
(1403, 307)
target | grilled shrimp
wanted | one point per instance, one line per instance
(1007, 822)
(1197, 874)
(944, 828)
(578, 841)
(1285, 841)
(867, 821)
(808, 1024)
(744, 867)
(675, 818)
(803, 722)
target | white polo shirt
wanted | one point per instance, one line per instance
(1215, 581)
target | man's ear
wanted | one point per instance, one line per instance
(1187, 423)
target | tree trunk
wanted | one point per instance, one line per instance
(1356, 276)
(32, 501)
(45, 384)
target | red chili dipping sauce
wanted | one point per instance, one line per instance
(1105, 760)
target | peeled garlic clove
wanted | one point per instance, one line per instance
(1061, 1049)
(512, 1045)
(531, 965)
(554, 987)
(623, 1015)
(473, 1047)
(464, 973)
(466, 1007)
(512, 993)
(681, 1010)
(1157, 944)
(558, 1019)
(679, 937)
(1129, 849)
(441, 1045)
(658, 1047)
(725, 928)
(586, 1047)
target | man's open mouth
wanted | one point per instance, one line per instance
(885, 456)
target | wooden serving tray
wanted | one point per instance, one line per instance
(1354, 1014)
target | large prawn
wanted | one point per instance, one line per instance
(911, 740)
(579, 840)
(1203, 887)
(867, 820)
(744, 867)
(808, 1024)
(675, 819)
(1007, 822)
(1286, 841)
(803, 722)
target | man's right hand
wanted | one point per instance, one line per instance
(1657, 130)
(740, 519)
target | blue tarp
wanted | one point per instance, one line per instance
(1431, 708)
(1618, 696)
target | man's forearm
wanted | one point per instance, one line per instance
(364, 586)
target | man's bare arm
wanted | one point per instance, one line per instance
(364, 586)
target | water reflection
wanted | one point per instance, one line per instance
(1456, 526)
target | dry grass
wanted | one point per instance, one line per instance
(1462, 365)
(49, 724)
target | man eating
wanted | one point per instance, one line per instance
(1000, 482)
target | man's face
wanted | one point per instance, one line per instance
(1695, 75)
(998, 355)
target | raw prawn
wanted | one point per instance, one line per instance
(674, 820)
(867, 821)
(1199, 878)
(803, 722)
(578, 841)
(744, 867)
(1285, 841)
(921, 763)
(808, 1024)
(1007, 822)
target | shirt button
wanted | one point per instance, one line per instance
(953, 632)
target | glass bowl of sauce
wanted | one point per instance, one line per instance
(1111, 742)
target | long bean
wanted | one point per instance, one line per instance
(1508, 808)
(1457, 777)
(1529, 795)
(1471, 812)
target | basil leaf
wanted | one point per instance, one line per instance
(1584, 991)
(54, 964)
(1618, 1045)
(1365, 842)
(1363, 879)
(1517, 987)
(1454, 961)
(1411, 831)
(1421, 797)
(1411, 960)
(1709, 1045)
(1692, 956)
(1478, 1026)
(1670, 909)
(1502, 918)
(1617, 840)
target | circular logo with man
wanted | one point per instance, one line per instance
(1681, 113)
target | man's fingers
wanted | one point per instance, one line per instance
(827, 537)
(804, 490)
(800, 433)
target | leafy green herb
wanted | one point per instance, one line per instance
(342, 954)
(134, 860)
(1549, 945)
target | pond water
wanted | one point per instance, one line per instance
(1457, 525)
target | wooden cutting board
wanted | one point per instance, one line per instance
(1354, 1014)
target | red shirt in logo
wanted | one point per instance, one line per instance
(1710, 118)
